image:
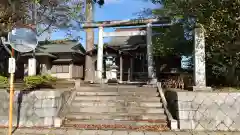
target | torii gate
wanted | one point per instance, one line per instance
(199, 46)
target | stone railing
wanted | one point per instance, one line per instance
(172, 122)
(39, 108)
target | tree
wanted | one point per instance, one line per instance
(50, 14)
(90, 37)
(220, 18)
(172, 41)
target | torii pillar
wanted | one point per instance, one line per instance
(100, 54)
(151, 72)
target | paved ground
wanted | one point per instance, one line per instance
(107, 132)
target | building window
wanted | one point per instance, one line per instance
(60, 69)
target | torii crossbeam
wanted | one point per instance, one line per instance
(130, 22)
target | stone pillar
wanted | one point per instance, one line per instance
(199, 60)
(104, 67)
(71, 72)
(32, 67)
(100, 54)
(131, 68)
(48, 65)
(25, 69)
(129, 76)
(121, 68)
(151, 72)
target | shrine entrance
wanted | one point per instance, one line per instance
(128, 52)
(145, 30)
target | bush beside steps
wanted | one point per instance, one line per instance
(31, 82)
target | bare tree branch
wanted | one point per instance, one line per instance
(46, 29)
(55, 14)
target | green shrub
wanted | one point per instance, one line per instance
(39, 80)
(3, 81)
(33, 81)
(49, 78)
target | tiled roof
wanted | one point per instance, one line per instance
(49, 49)
(39, 54)
(62, 47)
(127, 40)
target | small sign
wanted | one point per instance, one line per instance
(11, 65)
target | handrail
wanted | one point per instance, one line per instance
(64, 109)
(173, 122)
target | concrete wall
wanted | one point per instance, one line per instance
(205, 110)
(36, 108)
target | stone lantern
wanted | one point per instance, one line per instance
(113, 72)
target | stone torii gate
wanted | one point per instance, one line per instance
(199, 46)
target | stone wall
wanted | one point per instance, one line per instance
(35, 108)
(205, 110)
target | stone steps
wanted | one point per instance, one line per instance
(117, 98)
(115, 93)
(112, 89)
(125, 106)
(70, 122)
(117, 109)
(116, 116)
(115, 103)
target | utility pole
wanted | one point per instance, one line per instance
(89, 65)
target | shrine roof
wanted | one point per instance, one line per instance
(128, 40)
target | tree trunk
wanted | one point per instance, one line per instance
(89, 42)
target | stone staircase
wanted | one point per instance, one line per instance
(116, 107)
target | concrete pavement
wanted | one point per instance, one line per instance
(38, 131)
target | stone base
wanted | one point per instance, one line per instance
(57, 122)
(99, 81)
(174, 124)
(77, 84)
(152, 81)
(89, 82)
(105, 81)
(120, 81)
(112, 81)
(201, 88)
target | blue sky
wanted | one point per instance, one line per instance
(112, 10)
